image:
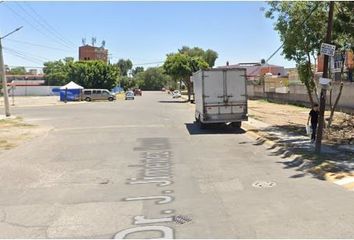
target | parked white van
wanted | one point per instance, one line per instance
(97, 94)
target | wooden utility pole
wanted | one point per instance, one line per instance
(4, 83)
(3, 75)
(325, 75)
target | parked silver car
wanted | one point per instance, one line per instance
(129, 95)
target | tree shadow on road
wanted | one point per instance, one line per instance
(194, 129)
(293, 146)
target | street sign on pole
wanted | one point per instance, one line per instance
(328, 49)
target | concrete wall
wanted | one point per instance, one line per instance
(298, 94)
(33, 91)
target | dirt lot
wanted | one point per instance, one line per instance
(294, 118)
(30, 101)
(15, 131)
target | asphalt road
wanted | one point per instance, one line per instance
(139, 169)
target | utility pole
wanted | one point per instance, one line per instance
(3, 76)
(325, 75)
(4, 83)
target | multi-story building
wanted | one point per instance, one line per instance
(88, 52)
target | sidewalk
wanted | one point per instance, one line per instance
(281, 128)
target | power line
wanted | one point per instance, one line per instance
(21, 56)
(31, 55)
(13, 66)
(149, 63)
(275, 52)
(39, 23)
(35, 44)
(35, 27)
(27, 55)
(43, 22)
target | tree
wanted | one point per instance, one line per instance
(93, 74)
(152, 79)
(343, 38)
(302, 27)
(55, 73)
(137, 70)
(124, 66)
(128, 82)
(208, 56)
(89, 74)
(18, 71)
(182, 66)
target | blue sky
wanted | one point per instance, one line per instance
(142, 31)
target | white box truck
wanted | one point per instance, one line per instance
(220, 96)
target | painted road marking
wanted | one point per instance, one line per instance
(155, 168)
(345, 181)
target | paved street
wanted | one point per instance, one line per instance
(140, 169)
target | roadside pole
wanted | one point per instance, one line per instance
(3, 75)
(4, 83)
(325, 75)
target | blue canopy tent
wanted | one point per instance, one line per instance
(71, 92)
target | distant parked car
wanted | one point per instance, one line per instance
(129, 95)
(163, 89)
(97, 94)
(176, 94)
(137, 92)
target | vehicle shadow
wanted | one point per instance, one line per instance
(173, 101)
(194, 129)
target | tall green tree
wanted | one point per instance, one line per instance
(208, 56)
(182, 66)
(89, 74)
(343, 38)
(137, 70)
(93, 74)
(153, 78)
(124, 66)
(18, 71)
(302, 28)
(56, 73)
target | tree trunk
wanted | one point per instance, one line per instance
(309, 92)
(312, 79)
(315, 63)
(188, 86)
(189, 92)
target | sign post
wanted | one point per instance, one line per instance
(327, 50)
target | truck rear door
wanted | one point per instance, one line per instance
(236, 86)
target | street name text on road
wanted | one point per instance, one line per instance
(156, 163)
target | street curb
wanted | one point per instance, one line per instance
(272, 144)
(342, 179)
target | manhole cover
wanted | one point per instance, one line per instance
(181, 219)
(263, 184)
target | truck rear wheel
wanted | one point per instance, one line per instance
(200, 124)
(236, 124)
